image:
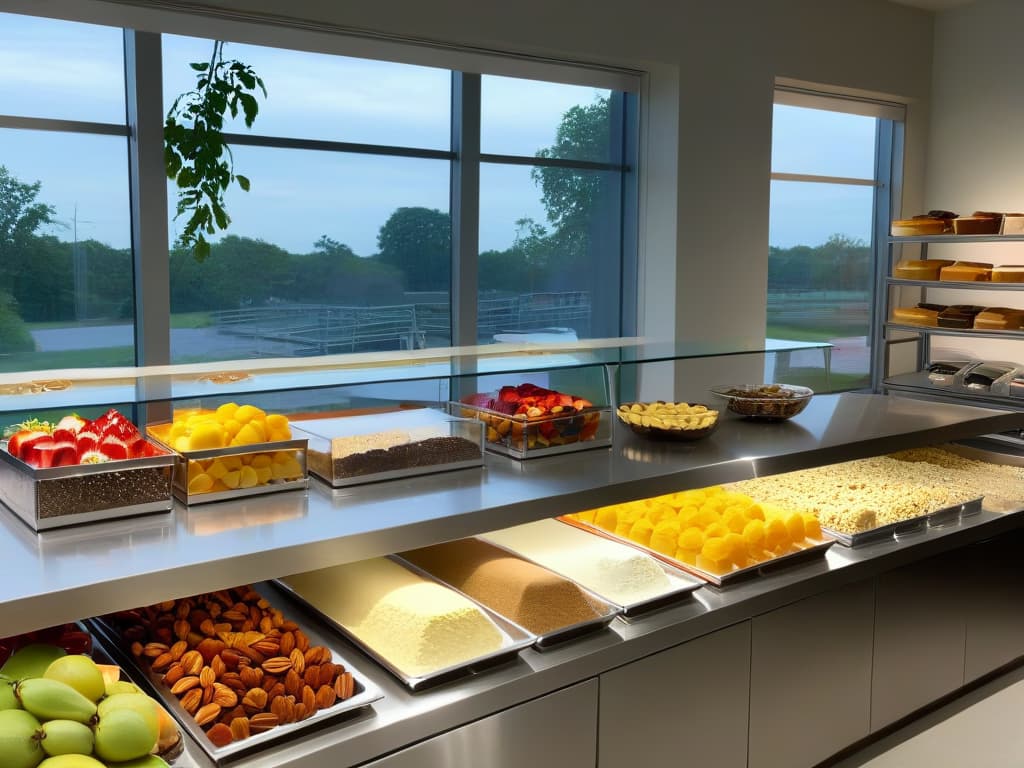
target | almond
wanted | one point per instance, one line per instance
(210, 647)
(162, 662)
(325, 696)
(251, 676)
(181, 629)
(278, 665)
(191, 700)
(301, 641)
(221, 735)
(293, 683)
(207, 713)
(207, 628)
(312, 676)
(298, 661)
(301, 712)
(287, 643)
(152, 650)
(264, 721)
(328, 672)
(345, 686)
(288, 626)
(269, 681)
(136, 647)
(309, 698)
(234, 616)
(173, 674)
(266, 625)
(185, 684)
(240, 728)
(224, 695)
(256, 699)
(207, 677)
(178, 649)
(218, 666)
(230, 658)
(267, 646)
(276, 692)
(207, 695)
(192, 662)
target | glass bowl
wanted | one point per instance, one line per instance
(767, 402)
(669, 421)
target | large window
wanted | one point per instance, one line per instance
(828, 159)
(343, 243)
(66, 295)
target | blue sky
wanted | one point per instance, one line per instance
(75, 71)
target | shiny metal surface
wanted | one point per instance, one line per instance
(66, 575)
(796, 718)
(555, 731)
(684, 706)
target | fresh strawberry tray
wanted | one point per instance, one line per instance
(82, 471)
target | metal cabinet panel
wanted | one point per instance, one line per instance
(995, 606)
(919, 638)
(810, 678)
(686, 705)
(554, 731)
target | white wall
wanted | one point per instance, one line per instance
(976, 155)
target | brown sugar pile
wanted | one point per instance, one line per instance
(531, 596)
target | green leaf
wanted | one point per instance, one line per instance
(200, 66)
(243, 182)
(250, 107)
(201, 250)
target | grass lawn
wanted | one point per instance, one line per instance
(819, 333)
(179, 320)
(74, 358)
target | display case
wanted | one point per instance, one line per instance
(115, 565)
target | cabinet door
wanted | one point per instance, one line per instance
(810, 678)
(919, 638)
(683, 706)
(995, 605)
(554, 731)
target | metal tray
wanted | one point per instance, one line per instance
(684, 583)
(365, 691)
(179, 484)
(21, 486)
(940, 518)
(718, 579)
(607, 611)
(514, 638)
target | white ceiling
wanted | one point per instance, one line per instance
(934, 5)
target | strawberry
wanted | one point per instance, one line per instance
(64, 453)
(92, 457)
(143, 449)
(86, 440)
(113, 448)
(40, 454)
(114, 423)
(19, 442)
(68, 427)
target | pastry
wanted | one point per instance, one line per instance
(999, 319)
(959, 316)
(917, 227)
(966, 271)
(922, 269)
(922, 314)
(980, 223)
(1009, 273)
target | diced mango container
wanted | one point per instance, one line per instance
(218, 474)
(522, 437)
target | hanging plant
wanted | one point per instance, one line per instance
(196, 155)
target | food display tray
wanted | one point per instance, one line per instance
(365, 691)
(940, 518)
(514, 639)
(524, 438)
(810, 552)
(179, 483)
(59, 496)
(606, 611)
(683, 584)
(420, 424)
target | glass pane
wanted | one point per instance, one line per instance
(328, 253)
(66, 261)
(823, 143)
(549, 252)
(331, 98)
(564, 121)
(61, 69)
(820, 274)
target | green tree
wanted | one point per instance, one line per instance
(571, 196)
(418, 243)
(334, 274)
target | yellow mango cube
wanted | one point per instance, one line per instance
(246, 413)
(247, 477)
(232, 479)
(226, 411)
(201, 483)
(218, 468)
(263, 475)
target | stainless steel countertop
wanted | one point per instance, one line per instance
(73, 573)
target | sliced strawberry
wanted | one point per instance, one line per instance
(121, 429)
(86, 440)
(64, 453)
(41, 453)
(113, 448)
(19, 442)
(67, 428)
(92, 457)
(143, 449)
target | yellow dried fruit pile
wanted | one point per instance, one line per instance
(713, 529)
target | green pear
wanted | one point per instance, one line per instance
(31, 661)
(71, 761)
(149, 761)
(54, 700)
(66, 737)
(122, 686)
(125, 734)
(7, 698)
(81, 673)
(19, 747)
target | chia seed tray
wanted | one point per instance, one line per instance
(85, 493)
(514, 639)
(812, 551)
(436, 442)
(940, 518)
(365, 691)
